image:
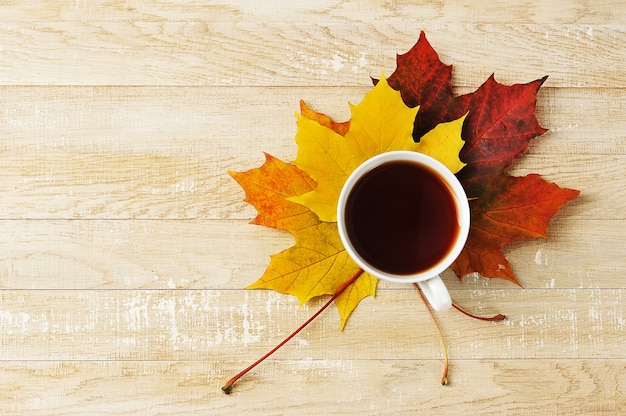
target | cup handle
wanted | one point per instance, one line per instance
(437, 293)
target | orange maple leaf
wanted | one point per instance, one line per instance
(267, 189)
(317, 264)
(340, 128)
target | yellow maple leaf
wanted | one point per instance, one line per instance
(301, 198)
(348, 300)
(317, 264)
(380, 123)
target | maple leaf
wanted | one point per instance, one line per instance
(380, 123)
(302, 198)
(340, 128)
(317, 264)
(500, 123)
(267, 189)
(424, 81)
(504, 215)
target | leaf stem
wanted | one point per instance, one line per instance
(444, 377)
(495, 318)
(227, 388)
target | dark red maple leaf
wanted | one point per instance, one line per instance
(424, 80)
(499, 127)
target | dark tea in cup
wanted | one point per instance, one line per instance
(401, 217)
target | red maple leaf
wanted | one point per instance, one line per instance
(498, 129)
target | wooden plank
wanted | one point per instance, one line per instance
(118, 186)
(135, 254)
(84, 152)
(340, 53)
(198, 254)
(228, 325)
(313, 387)
(64, 185)
(478, 11)
(244, 121)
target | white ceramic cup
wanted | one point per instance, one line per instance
(429, 281)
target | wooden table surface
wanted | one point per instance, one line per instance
(125, 246)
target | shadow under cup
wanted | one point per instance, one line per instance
(403, 217)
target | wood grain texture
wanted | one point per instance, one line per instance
(164, 152)
(127, 254)
(196, 185)
(496, 387)
(204, 119)
(299, 53)
(126, 246)
(479, 11)
(227, 325)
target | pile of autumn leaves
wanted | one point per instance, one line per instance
(477, 135)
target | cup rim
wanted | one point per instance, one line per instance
(463, 213)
